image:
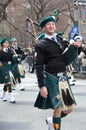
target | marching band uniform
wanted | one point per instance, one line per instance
(50, 66)
(21, 55)
(6, 60)
(82, 57)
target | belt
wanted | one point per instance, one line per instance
(8, 62)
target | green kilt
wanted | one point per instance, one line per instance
(59, 94)
(53, 100)
(4, 73)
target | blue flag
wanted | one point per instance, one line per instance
(73, 31)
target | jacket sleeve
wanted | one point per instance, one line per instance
(40, 65)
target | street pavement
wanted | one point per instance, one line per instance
(23, 115)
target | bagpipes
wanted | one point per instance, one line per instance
(15, 58)
(33, 30)
(16, 69)
(71, 52)
(21, 56)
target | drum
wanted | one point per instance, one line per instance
(21, 71)
(70, 54)
(18, 71)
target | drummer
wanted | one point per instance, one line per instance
(6, 60)
(17, 50)
(50, 60)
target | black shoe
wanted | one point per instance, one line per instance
(5, 100)
(73, 84)
(22, 89)
(13, 102)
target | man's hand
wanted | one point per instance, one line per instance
(44, 92)
(75, 43)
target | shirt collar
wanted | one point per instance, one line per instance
(5, 49)
(48, 36)
(15, 47)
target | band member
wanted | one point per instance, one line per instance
(5, 69)
(50, 69)
(82, 58)
(17, 50)
(33, 60)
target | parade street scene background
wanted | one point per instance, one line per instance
(20, 27)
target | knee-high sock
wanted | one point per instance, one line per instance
(56, 123)
(9, 87)
(63, 114)
(5, 88)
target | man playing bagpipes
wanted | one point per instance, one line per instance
(51, 62)
(6, 75)
(21, 56)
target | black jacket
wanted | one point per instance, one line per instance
(18, 51)
(5, 56)
(49, 57)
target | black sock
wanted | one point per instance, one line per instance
(56, 123)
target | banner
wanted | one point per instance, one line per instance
(73, 31)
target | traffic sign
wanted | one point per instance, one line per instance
(79, 3)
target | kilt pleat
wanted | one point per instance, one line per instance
(53, 100)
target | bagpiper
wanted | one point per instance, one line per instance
(5, 70)
(21, 56)
(53, 55)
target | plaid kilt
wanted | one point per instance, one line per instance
(51, 101)
(4, 73)
(59, 94)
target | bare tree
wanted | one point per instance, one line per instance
(36, 10)
(3, 5)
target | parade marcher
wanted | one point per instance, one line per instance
(5, 69)
(82, 58)
(17, 50)
(33, 60)
(50, 69)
